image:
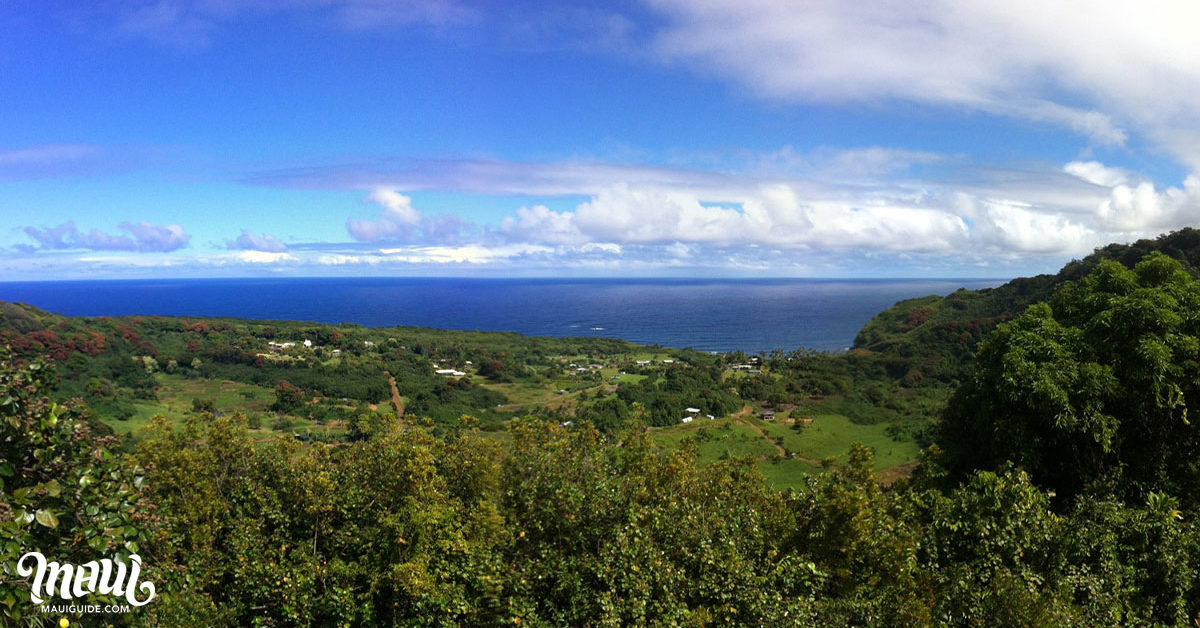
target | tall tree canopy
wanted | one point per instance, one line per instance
(1093, 387)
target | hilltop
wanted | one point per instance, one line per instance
(935, 337)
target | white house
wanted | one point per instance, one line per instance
(307, 343)
(692, 410)
(686, 419)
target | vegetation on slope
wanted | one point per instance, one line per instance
(1061, 490)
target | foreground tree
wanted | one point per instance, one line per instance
(1093, 388)
(64, 492)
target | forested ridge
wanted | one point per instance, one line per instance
(1058, 483)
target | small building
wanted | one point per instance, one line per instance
(767, 415)
(307, 344)
(754, 371)
(686, 419)
(643, 362)
(668, 361)
(692, 410)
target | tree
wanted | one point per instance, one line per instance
(288, 398)
(1095, 386)
(64, 492)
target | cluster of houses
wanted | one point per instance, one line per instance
(693, 414)
(281, 347)
(749, 368)
(649, 362)
(451, 372)
(580, 369)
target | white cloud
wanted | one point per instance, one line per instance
(1096, 68)
(397, 221)
(540, 224)
(468, 254)
(1004, 226)
(815, 203)
(143, 236)
(773, 215)
(249, 241)
(1096, 173)
(265, 257)
(1142, 207)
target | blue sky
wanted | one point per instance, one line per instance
(205, 138)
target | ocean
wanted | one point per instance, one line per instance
(708, 315)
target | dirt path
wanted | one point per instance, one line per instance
(397, 400)
(741, 417)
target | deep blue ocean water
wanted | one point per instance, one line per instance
(709, 315)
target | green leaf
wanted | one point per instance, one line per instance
(47, 518)
(6, 469)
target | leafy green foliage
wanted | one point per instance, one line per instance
(65, 493)
(1094, 387)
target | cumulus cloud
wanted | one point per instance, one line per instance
(398, 221)
(151, 237)
(64, 236)
(142, 236)
(997, 213)
(1143, 207)
(795, 203)
(249, 241)
(539, 223)
(773, 216)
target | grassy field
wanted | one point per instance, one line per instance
(787, 473)
(716, 440)
(525, 396)
(830, 435)
(175, 395)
